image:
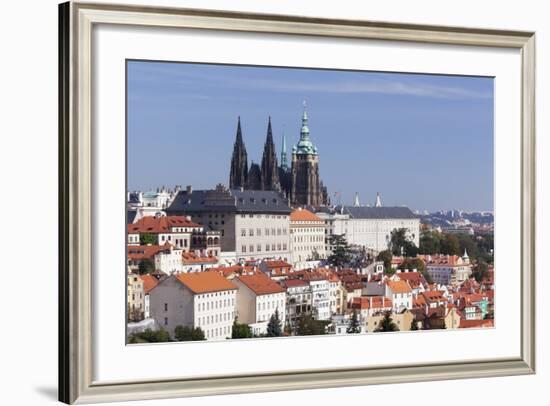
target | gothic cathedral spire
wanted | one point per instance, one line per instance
(284, 157)
(270, 170)
(238, 176)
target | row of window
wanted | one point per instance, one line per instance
(202, 321)
(309, 238)
(272, 247)
(273, 231)
(266, 216)
(216, 304)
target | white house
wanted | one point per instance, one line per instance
(204, 299)
(400, 293)
(371, 227)
(307, 238)
(448, 269)
(258, 298)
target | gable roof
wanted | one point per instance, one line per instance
(303, 215)
(163, 224)
(149, 282)
(399, 286)
(205, 282)
(260, 284)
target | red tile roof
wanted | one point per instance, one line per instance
(139, 252)
(261, 284)
(164, 224)
(235, 270)
(190, 258)
(399, 286)
(276, 263)
(149, 282)
(371, 302)
(304, 215)
(205, 282)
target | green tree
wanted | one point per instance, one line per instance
(308, 326)
(386, 257)
(274, 328)
(397, 241)
(186, 333)
(480, 271)
(182, 333)
(197, 334)
(146, 266)
(450, 245)
(387, 324)
(241, 330)
(430, 242)
(150, 336)
(146, 238)
(400, 243)
(353, 326)
(341, 251)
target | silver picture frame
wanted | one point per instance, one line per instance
(76, 21)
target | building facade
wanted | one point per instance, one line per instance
(258, 299)
(252, 223)
(307, 238)
(370, 227)
(204, 299)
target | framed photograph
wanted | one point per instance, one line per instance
(253, 202)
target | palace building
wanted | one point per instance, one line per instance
(300, 184)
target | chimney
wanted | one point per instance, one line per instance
(189, 189)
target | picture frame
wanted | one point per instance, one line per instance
(76, 215)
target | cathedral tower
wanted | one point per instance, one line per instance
(238, 175)
(270, 170)
(306, 185)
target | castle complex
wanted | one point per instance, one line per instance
(300, 183)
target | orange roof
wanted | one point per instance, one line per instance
(139, 252)
(155, 225)
(234, 270)
(476, 323)
(399, 286)
(303, 215)
(260, 284)
(204, 282)
(276, 263)
(433, 295)
(189, 258)
(415, 279)
(371, 302)
(149, 282)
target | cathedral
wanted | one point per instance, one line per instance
(300, 183)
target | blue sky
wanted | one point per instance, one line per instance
(425, 141)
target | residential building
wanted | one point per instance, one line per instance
(370, 227)
(276, 269)
(149, 282)
(403, 320)
(252, 223)
(135, 298)
(179, 231)
(258, 299)
(448, 269)
(201, 299)
(298, 301)
(307, 237)
(400, 293)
